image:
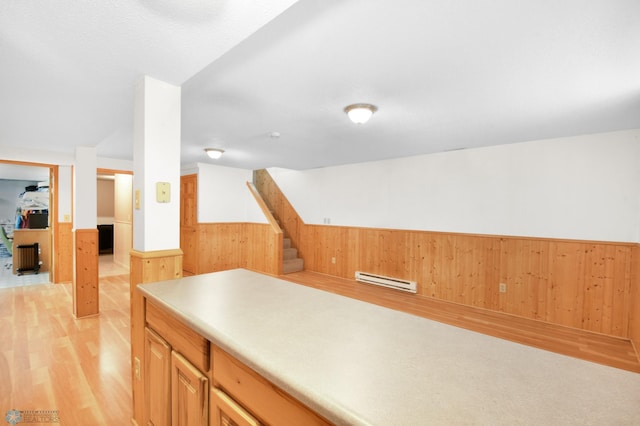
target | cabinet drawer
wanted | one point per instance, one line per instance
(182, 339)
(225, 412)
(257, 395)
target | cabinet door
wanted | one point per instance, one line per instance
(189, 393)
(225, 412)
(157, 379)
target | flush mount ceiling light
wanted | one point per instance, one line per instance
(214, 153)
(360, 113)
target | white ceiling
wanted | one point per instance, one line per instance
(445, 75)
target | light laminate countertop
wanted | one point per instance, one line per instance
(360, 364)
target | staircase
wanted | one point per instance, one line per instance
(283, 215)
(290, 260)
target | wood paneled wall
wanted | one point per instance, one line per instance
(63, 252)
(262, 248)
(220, 246)
(634, 308)
(580, 284)
(85, 280)
(583, 284)
(225, 246)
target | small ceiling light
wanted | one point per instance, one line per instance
(214, 153)
(360, 113)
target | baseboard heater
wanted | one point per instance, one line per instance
(398, 284)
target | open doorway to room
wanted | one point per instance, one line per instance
(115, 221)
(25, 224)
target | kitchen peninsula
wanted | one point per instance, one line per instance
(253, 349)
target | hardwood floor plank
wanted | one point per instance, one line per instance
(51, 361)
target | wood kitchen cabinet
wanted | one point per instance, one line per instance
(254, 394)
(176, 389)
(189, 393)
(226, 412)
(157, 388)
(176, 392)
(189, 381)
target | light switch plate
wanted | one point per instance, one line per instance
(163, 192)
(137, 199)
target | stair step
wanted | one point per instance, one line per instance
(289, 253)
(292, 265)
(286, 243)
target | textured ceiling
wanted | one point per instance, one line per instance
(444, 74)
(68, 68)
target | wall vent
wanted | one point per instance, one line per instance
(398, 284)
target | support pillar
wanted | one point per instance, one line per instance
(86, 300)
(156, 253)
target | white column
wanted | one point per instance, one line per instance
(85, 201)
(156, 159)
(85, 295)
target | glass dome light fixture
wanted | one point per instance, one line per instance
(214, 153)
(360, 113)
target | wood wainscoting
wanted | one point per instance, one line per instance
(581, 284)
(63, 253)
(223, 246)
(634, 309)
(85, 276)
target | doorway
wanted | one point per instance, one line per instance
(115, 224)
(25, 224)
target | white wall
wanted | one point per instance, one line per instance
(583, 187)
(65, 207)
(115, 164)
(223, 195)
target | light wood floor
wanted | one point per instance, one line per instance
(51, 361)
(589, 346)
